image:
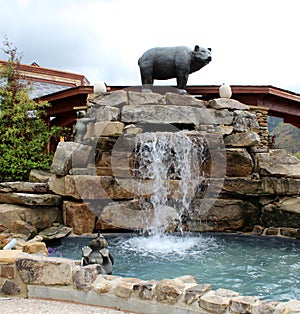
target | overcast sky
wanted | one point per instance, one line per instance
(254, 42)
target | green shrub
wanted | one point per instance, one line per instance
(24, 133)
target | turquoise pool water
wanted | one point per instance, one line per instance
(266, 267)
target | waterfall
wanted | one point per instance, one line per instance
(170, 164)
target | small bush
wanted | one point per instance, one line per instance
(24, 133)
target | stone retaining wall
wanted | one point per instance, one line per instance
(90, 187)
(258, 185)
(37, 276)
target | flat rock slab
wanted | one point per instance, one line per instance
(40, 217)
(167, 114)
(278, 163)
(19, 186)
(30, 199)
(37, 269)
(52, 233)
(9, 256)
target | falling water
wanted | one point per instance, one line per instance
(170, 163)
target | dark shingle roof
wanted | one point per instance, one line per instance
(39, 89)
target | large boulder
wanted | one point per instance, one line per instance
(260, 187)
(222, 214)
(282, 213)
(30, 199)
(68, 155)
(239, 162)
(167, 114)
(38, 217)
(128, 216)
(48, 271)
(79, 217)
(278, 163)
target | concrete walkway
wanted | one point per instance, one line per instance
(38, 306)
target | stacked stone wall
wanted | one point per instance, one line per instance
(257, 183)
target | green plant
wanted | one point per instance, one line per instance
(24, 133)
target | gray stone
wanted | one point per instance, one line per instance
(68, 155)
(145, 290)
(195, 292)
(242, 304)
(53, 232)
(104, 113)
(38, 217)
(289, 307)
(39, 176)
(104, 128)
(121, 216)
(238, 162)
(214, 303)
(169, 291)
(132, 129)
(30, 199)
(10, 288)
(28, 187)
(41, 270)
(225, 129)
(224, 116)
(283, 213)
(291, 205)
(97, 187)
(168, 114)
(124, 289)
(278, 163)
(244, 121)
(57, 185)
(184, 100)
(263, 186)
(22, 227)
(101, 284)
(222, 214)
(265, 307)
(226, 103)
(85, 276)
(79, 217)
(242, 139)
(141, 99)
(117, 98)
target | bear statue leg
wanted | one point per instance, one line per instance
(182, 78)
(147, 78)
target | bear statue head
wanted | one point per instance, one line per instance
(201, 55)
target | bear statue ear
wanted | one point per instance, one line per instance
(196, 48)
(209, 49)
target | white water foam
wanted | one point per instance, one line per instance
(163, 157)
(165, 244)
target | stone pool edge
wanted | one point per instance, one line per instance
(39, 276)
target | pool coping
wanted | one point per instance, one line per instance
(39, 276)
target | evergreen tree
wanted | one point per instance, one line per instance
(24, 133)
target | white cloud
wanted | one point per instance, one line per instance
(253, 42)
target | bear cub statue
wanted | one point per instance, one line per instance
(97, 252)
(163, 63)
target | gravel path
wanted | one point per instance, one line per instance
(38, 306)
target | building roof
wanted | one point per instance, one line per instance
(44, 81)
